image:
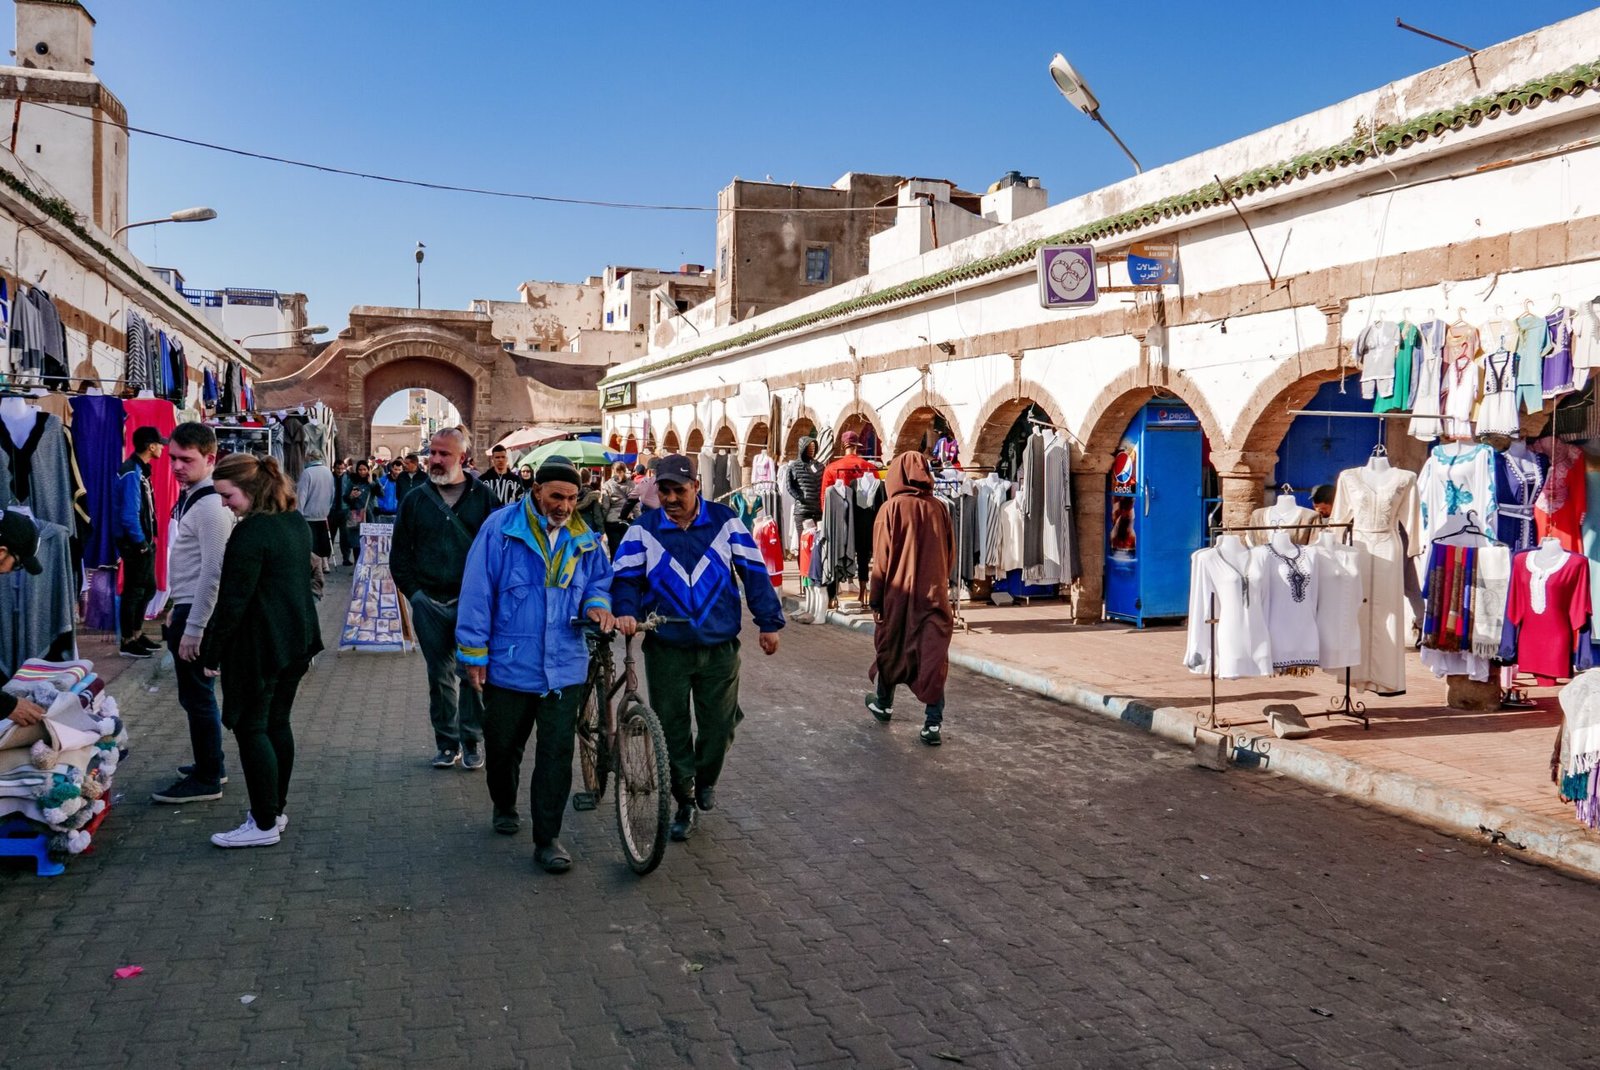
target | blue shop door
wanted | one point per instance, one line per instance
(1317, 448)
(1155, 515)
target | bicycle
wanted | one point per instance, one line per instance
(624, 737)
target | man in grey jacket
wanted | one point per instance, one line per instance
(198, 537)
(315, 494)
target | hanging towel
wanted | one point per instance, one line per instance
(1491, 585)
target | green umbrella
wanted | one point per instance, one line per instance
(582, 454)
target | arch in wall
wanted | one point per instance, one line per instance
(755, 440)
(614, 442)
(804, 424)
(409, 358)
(918, 424)
(631, 444)
(1265, 419)
(857, 416)
(696, 439)
(725, 437)
(417, 373)
(669, 440)
(1000, 413)
(1113, 408)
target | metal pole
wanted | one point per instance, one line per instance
(1095, 115)
(419, 283)
(1419, 31)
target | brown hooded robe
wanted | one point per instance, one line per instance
(912, 550)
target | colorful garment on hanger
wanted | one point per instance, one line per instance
(1564, 498)
(97, 442)
(1406, 361)
(1497, 412)
(1547, 606)
(1428, 387)
(1558, 369)
(1375, 351)
(1455, 480)
(1462, 375)
(1533, 337)
(159, 414)
(1518, 477)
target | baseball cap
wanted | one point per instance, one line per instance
(850, 438)
(145, 437)
(674, 468)
(21, 539)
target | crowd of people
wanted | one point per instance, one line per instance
(495, 569)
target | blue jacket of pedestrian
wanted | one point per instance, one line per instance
(387, 499)
(521, 589)
(690, 573)
(134, 522)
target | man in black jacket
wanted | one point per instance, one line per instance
(805, 483)
(432, 534)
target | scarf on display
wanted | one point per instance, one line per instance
(1491, 591)
(1580, 746)
(1563, 455)
(1447, 613)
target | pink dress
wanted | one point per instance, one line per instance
(1547, 609)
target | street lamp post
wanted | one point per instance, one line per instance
(182, 215)
(1078, 94)
(320, 328)
(420, 247)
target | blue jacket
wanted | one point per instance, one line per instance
(689, 572)
(519, 595)
(387, 499)
(135, 517)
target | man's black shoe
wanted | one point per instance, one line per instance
(506, 824)
(706, 798)
(187, 790)
(930, 735)
(884, 714)
(133, 649)
(144, 640)
(682, 823)
(446, 759)
(552, 857)
(188, 770)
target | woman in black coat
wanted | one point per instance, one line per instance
(262, 635)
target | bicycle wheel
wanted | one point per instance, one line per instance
(644, 788)
(591, 744)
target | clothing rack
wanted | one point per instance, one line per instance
(1056, 427)
(1342, 705)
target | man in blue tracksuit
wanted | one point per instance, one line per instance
(533, 567)
(134, 530)
(687, 560)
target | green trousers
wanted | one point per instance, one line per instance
(705, 678)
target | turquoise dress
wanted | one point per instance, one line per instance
(1533, 338)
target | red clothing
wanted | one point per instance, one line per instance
(159, 414)
(845, 468)
(1546, 638)
(766, 537)
(1562, 500)
(808, 542)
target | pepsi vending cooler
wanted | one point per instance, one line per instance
(1154, 515)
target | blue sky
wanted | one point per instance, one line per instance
(666, 103)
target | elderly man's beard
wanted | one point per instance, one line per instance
(444, 474)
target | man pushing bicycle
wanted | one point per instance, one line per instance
(686, 560)
(533, 567)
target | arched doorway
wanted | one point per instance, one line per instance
(399, 376)
(755, 441)
(862, 425)
(669, 441)
(403, 422)
(922, 428)
(1003, 435)
(631, 445)
(801, 428)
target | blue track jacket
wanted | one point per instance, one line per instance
(519, 594)
(689, 573)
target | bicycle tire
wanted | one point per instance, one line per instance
(591, 745)
(644, 788)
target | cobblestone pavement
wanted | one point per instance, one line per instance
(1044, 890)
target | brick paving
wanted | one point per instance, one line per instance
(1047, 889)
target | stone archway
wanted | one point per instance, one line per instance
(862, 418)
(696, 440)
(670, 440)
(918, 425)
(725, 437)
(804, 426)
(1000, 414)
(755, 440)
(394, 376)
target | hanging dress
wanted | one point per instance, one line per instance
(1429, 381)
(1232, 584)
(1497, 415)
(1380, 506)
(1460, 377)
(1533, 337)
(1518, 478)
(1564, 498)
(1455, 480)
(1345, 576)
(1375, 351)
(1558, 370)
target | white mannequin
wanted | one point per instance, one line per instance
(1234, 551)
(1378, 462)
(18, 416)
(1550, 555)
(1285, 546)
(147, 393)
(1285, 508)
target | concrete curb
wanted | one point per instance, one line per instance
(1527, 836)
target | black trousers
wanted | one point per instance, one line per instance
(258, 713)
(138, 587)
(509, 718)
(349, 543)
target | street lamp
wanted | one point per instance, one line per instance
(320, 328)
(182, 215)
(1079, 95)
(420, 247)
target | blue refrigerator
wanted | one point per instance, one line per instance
(1155, 515)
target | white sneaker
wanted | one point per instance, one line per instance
(283, 822)
(247, 835)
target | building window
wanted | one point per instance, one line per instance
(722, 263)
(608, 317)
(817, 264)
(624, 310)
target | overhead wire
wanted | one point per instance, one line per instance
(445, 187)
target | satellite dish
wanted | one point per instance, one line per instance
(1072, 85)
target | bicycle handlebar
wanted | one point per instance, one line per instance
(648, 624)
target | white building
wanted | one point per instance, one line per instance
(1461, 190)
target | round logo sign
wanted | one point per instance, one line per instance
(1070, 275)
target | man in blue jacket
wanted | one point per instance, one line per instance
(533, 567)
(134, 530)
(686, 560)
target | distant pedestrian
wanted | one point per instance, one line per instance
(644, 485)
(912, 550)
(411, 475)
(201, 526)
(386, 497)
(134, 530)
(315, 492)
(428, 554)
(687, 560)
(525, 474)
(355, 493)
(533, 568)
(506, 486)
(262, 635)
(618, 504)
(1322, 501)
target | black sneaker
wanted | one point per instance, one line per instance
(188, 771)
(705, 798)
(445, 759)
(133, 649)
(145, 641)
(471, 757)
(883, 713)
(930, 735)
(187, 790)
(682, 823)
(506, 824)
